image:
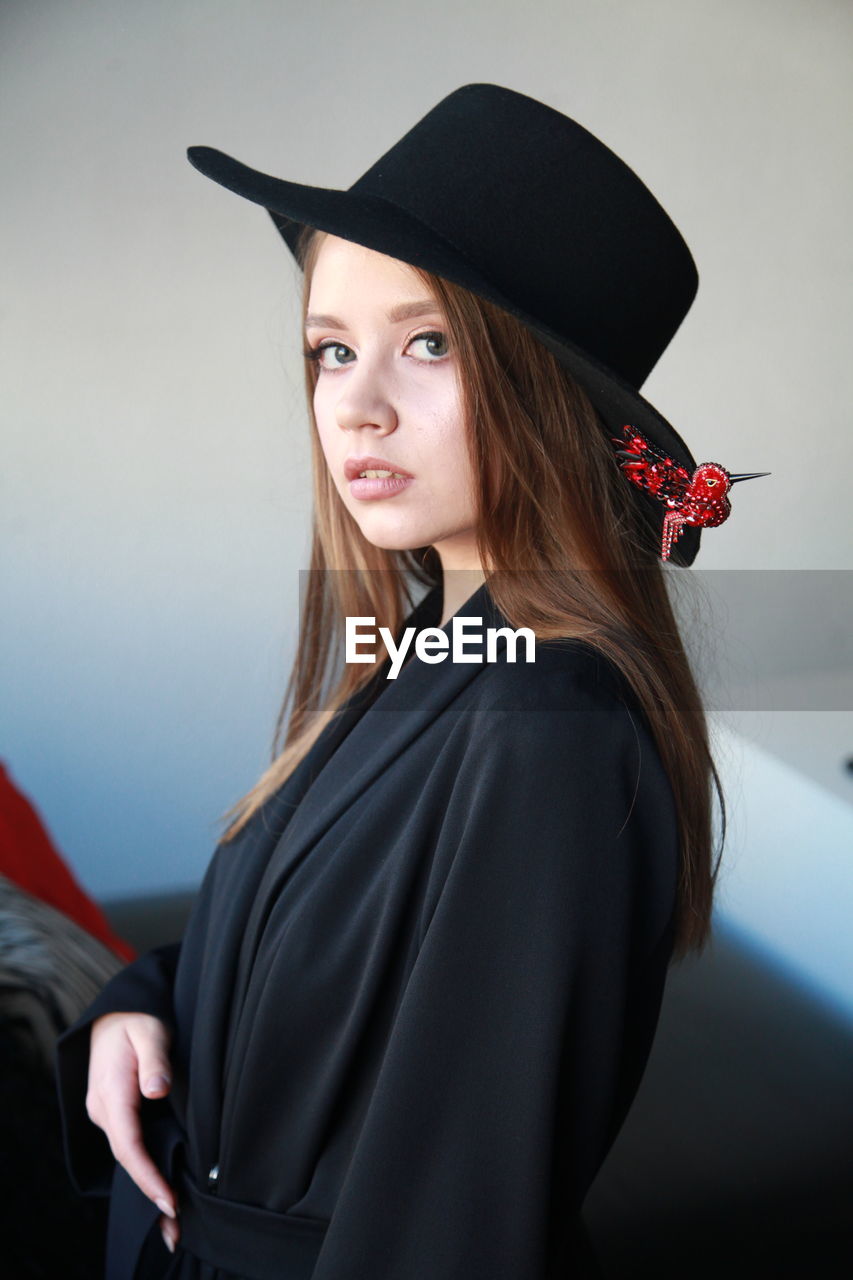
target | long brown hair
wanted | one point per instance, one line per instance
(552, 502)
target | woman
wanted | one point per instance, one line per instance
(420, 984)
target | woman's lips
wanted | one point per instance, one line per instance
(368, 486)
(378, 486)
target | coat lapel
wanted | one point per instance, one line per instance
(365, 742)
(377, 723)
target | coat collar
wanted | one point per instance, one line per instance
(374, 727)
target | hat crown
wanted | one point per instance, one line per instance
(550, 215)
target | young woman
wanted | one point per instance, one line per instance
(420, 984)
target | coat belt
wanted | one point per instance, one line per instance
(257, 1244)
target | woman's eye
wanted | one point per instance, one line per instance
(433, 340)
(318, 354)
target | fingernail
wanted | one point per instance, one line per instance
(165, 1207)
(155, 1083)
(167, 1241)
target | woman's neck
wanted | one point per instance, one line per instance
(459, 584)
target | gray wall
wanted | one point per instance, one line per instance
(155, 463)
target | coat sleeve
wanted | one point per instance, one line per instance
(513, 1054)
(145, 986)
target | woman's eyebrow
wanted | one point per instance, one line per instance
(406, 311)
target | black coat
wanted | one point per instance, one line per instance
(416, 995)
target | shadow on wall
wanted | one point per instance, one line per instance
(736, 1156)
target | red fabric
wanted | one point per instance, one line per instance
(29, 859)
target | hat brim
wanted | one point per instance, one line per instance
(378, 224)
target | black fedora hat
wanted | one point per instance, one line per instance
(524, 207)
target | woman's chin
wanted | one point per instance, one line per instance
(393, 539)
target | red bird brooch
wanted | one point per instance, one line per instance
(698, 499)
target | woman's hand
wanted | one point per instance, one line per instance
(129, 1060)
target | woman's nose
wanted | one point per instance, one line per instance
(366, 402)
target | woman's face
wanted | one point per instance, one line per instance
(387, 398)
